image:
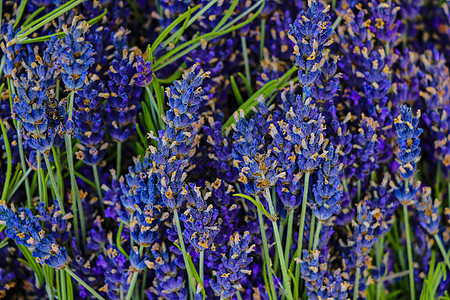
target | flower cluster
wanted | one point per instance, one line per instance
(233, 268)
(23, 227)
(251, 150)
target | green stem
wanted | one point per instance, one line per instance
(276, 263)
(59, 172)
(201, 267)
(379, 253)
(246, 62)
(238, 295)
(76, 201)
(317, 236)
(358, 188)
(63, 284)
(356, 287)
(40, 180)
(442, 249)
(266, 256)
(23, 165)
(20, 10)
(409, 250)
(69, 287)
(9, 162)
(133, 280)
(311, 231)
(261, 44)
(51, 16)
(300, 233)
(183, 251)
(286, 278)
(80, 281)
(287, 250)
(97, 185)
(58, 285)
(448, 193)
(144, 280)
(336, 23)
(118, 158)
(54, 185)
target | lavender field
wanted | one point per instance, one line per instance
(225, 149)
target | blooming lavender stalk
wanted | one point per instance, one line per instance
(177, 144)
(141, 201)
(327, 191)
(37, 108)
(24, 228)
(408, 154)
(75, 58)
(201, 224)
(168, 281)
(259, 169)
(429, 219)
(311, 35)
(320, 283)
(233, 268)
(362, 241)
(126, 75)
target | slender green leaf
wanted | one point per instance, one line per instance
(236, 92)
(256, 203)
(167, 31)
(226, 16)
(119, 241)
(22, 6)
(194, 272)
(191, 21)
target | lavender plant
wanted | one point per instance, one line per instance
(197, 149)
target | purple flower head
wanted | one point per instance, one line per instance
(168, 282)
(144, 73)
(384, 20)
(177, 144)
(24, 228)
(278, 43)
(327, 191)
(428, 209)
(139, 196)
(307, 128)
(313, 270)
(404, 191)
(200, 220)
(75, 55)
(89, 122)
(380, 196)
(35, 104)
(408, 140)
(220, 152)
(363, 235)
(233, 268)
(124, 96)
(174, 7)
(115, 267)
(256, 162)
(435, 85)
(13, 53)
(53, 218)
(138, 261)
(365, 147)
(311, 35)
(321, 283)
